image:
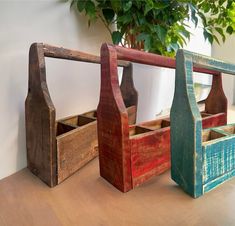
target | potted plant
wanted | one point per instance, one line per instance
(160, 27)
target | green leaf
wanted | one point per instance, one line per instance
(147, 40)
(221, 32)
(181, 40)
(202, 16)
(137, 3)
(147, 43)
(208, 36)
(108, 14)
(231, 11)
(221, 2)
(141, 37)
(216, 39)
(127, 5)
(193, 14)
(116, 5)
(116, 37)
(229, 30)
(185, 33)
(206, 8)
(126, 18)
(147, 8)
(80, 5)
(90, 8)
(161, 33)
(173, 46)
(196, 21)
(160, 4)
(141, 19)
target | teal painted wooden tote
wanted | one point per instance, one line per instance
(201, 159)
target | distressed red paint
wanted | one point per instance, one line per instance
(130, 155)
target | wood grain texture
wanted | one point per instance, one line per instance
(150, 154)
(204, 159)
(113, 128)
(57, 149)
(86, 199)
(216, 101)
(130, 155)
(75, 149)
(218, 156)
(129, 93)
(40, 120)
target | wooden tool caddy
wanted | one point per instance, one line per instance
(130, 155)
(201, 159)
(56, 149)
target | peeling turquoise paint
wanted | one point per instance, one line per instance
(196, 166)
(218, 160)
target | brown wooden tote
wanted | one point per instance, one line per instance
(56, 149)
(130, 155)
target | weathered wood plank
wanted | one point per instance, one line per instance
(75, 149)
(113, 128)
(68, 54)
(206, 158)
(40, 120)
(150, 154)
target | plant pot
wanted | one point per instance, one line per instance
(156, 89)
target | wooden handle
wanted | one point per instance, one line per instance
(153, 59)
(68, 54)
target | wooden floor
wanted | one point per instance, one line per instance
(85, 199)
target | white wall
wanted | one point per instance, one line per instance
(74, 87)
(156, 86)
(226, 52)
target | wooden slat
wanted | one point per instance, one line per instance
(68, 54)
(40, 120)
(76, 149)
(154, 59)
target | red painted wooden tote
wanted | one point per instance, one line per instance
(130, 155)
(57, 149)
